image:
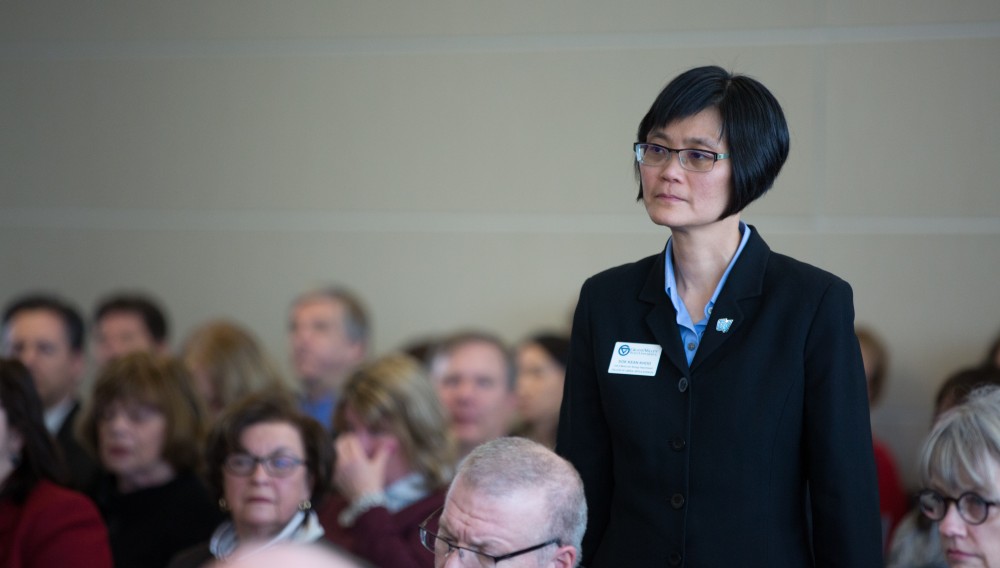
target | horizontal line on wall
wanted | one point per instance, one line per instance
(154, 220)
(198, 48)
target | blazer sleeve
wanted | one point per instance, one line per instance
(583, 436)
(843, 484)
(67, 532)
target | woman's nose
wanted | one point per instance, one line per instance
(952, 524)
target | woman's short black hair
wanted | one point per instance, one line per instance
(753, 126)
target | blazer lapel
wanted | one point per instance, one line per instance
(662, 318)
(746, 280)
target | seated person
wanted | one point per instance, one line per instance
(916, 542)
(474, 376)
(541, 373)
(228, 363)
(42, 525)
(960, 469)
(512, 500)
(394, 462)
(267, 463)
(125, 322)
(144, 424)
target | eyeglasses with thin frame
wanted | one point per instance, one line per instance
(971, 507)
(691, 159)
(276, 465)
(443, 548)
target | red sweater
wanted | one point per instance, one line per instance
(892, 496)
(387, 540)
(53, 527)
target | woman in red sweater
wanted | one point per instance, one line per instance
(41, 523)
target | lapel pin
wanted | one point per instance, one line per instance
(723, 324)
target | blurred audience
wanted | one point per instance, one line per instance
(42, 525)
(46, 333)
(541, 372)
(126, 322)
(329, 332)
(268, 464)
(394, 462)
(145, 424)
(892, 496)
(227, 363)
(512, 501)
(960, 469)
(916, 542)
(474, 376)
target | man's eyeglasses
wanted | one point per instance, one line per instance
(971, 507)
(276, 465)
(692, 159)
(443, 548)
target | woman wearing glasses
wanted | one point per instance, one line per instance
(268, 465)
(960, 466)
(394, 462)
(715, 401)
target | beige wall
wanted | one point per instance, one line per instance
(466, 163)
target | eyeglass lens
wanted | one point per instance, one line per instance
(690, 159)
(971, 507)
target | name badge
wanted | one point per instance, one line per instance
(635, 359)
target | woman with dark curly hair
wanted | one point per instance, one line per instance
(268, 464)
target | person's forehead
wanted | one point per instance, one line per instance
(38, 324)
(480, 356)
(275, 433)
(515, 517)
(122, 318)
(318, 307)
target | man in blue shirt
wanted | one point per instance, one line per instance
(328, 332)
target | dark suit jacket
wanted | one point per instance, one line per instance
(83, 469)
(708, 466)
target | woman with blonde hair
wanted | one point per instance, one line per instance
(227, 363)
(394, 462)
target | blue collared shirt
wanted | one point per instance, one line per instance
(691, 331)
(321, 410)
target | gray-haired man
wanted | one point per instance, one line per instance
(512, 500)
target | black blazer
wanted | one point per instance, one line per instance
(759, 454)
(83, 469)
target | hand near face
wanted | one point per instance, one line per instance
(356, 473)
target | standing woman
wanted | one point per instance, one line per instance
(715, 401)
(41, 523)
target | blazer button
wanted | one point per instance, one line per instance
(677, 501)
(674, 559)
(682, 385)
(677, 443)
